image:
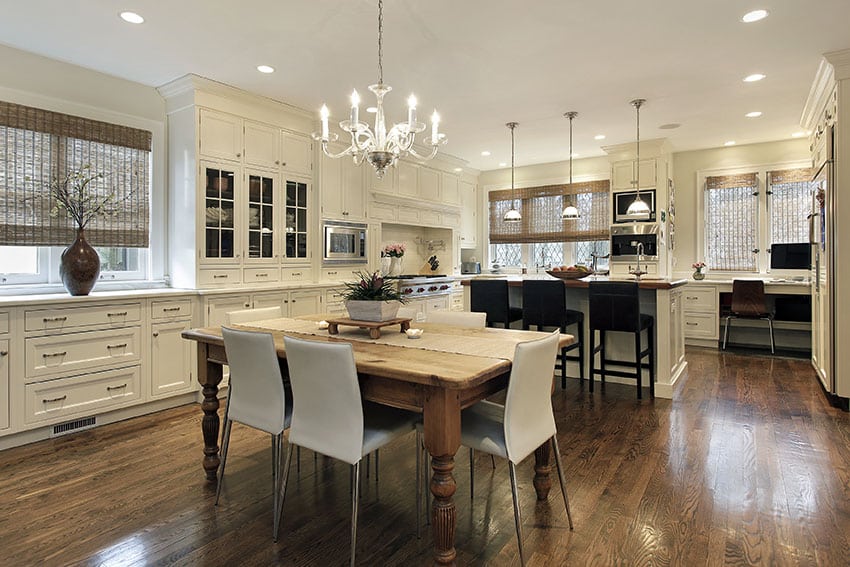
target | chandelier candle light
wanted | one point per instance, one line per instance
(512, 215)
(638, 208)
(379, 147)
(570, 211)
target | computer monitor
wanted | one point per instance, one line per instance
(796, 256)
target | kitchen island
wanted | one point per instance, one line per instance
(659, 297)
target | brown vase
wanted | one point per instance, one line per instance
(80, 266)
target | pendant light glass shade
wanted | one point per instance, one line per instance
(512, 215)
(570, 212)
(638, 209)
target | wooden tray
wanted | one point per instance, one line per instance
(373, 326)
(562, 275)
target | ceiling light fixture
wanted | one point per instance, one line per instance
(599, 137)
(570, 212)
(132, 17)
(799, 134)
(753, 114)
(379, 147)
(754, 77)
(638, 208)
(512, 215)
(485, 153)
(754, 16)
(265, 69)
(729, 143)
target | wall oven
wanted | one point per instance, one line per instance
(344, 243)
(623, 199)
(624, 239)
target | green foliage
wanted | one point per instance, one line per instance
(372, 287)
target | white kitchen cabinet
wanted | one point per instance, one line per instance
(297, 213)
(343, 190)
(408, 179)
(297, 153)
(623, 174)
(220, 135)
(4, 384)
(219, 215)
(699, 304)
(171, 359)
(429, 184)
(449, 189)
(334, 302)
(468, 214)
(675, 336)
(263, 220)
(306, 302)
(262, 147)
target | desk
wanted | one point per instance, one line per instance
(438, 384)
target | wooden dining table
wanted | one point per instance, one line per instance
(447, 370)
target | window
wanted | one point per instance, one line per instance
(38, 146)
(735, 238)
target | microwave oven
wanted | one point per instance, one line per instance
(623, 199)
(344, 243)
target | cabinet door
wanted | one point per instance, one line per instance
(261, 145)
(261, 225)
(353, 190)
(441, 303)
(305, 303)
(297, 153)
(408, 179)
(276, 299)
(331, 188)
(4, 384)
(623, 174)
(218, 307)
(449, 189)
(429, 184)
(297, 220)
(386, 184)
(171, 359)
(220, 135)
(468, 215)
(220, 213)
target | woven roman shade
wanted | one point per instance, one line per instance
(790, 202)
(541, 208)
(38, 146)
(731, 222)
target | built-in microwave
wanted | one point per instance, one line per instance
(344, 242)
(625, 239)
(623, 199)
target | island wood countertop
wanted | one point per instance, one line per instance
(645, 283)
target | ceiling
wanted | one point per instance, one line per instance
(480, 63)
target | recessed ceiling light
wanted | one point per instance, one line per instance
(485, 153)
(265, 69)
(729, 143)
(599, 137)
(458, 169)
(799, 134)
(575, 155)
(754, 16)
(753, 114)
(502, 164)
(670, 126)
(753, 78)
(132, 17)
(372, 109)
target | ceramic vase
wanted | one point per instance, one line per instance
(79, 266)
(385, 265)
(698, 275)
(396, 266)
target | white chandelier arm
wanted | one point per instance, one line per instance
(346, 152)
(418, 156)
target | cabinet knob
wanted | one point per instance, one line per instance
(156, 334)
(4, 352)
(277, 162)
(247, 305)
(238, 155)
(283, 164)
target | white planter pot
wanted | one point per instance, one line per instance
(372, 310)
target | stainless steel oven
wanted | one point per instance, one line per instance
(624, 239)
(344, 242)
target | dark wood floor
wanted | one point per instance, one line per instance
(748, 465)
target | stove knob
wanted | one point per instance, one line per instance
(444, 286)
(421, 289)
(407, 290)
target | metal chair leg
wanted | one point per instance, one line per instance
(355, 498)
(517, 517)
(561, 478)
(278, 447)
(471, 472)
(493, 461)
(224, 445)
(283, 487)
(726, 331)
(770, 325)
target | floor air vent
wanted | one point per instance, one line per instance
(71, 426)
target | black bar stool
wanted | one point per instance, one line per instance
(491, 297)
(615, 306)
(544, 304)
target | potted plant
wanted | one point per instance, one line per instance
(372, 298)
(698, 270)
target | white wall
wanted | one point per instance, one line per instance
(417, 251)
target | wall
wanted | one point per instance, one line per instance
(415, 254)
(557, 172)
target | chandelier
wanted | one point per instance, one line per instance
(638, 207)
(512, 215)
(377, 146)
(570, 211)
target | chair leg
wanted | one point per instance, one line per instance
(298, 460)
(355, 498)
(418, 483)
(650, 340)
(225, 443)
(638, 369)
(377, 462)
(493, 461)
(726, 332)
(602, 357)
(283, 487)
(471, 472)
(591, 376)
(278, 447)
(561, 478)
(770, 325)
(563, 369)
(517, 517)
(580, 333)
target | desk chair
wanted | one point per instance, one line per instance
(748, 302)
(615, 306)
(256, 398)
(329, 416)
(544, 304)
(244, 316)
(492, 298)
(467, 319)
(526, 421)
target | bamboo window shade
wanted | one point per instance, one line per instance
(731, 222)
(790, 203)
(38, 146)
(541, 208)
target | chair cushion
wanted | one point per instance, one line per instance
(483, 428)
(382, 424)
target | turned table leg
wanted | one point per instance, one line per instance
(442, 438)
(209, 376)
(542, 468)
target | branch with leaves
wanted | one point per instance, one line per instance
(77, 194)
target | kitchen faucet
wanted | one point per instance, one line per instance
(594, 257)
(542, 263)
(637, 272)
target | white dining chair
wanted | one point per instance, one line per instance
(256, 398)
(526, 421)
(243, 316)
(468, 319)
(329, 416)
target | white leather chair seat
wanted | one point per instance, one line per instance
(383, 424)
(484, 428)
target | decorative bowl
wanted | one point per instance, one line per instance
(568, 274)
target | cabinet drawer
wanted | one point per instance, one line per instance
(171, 309)
(70, 397)
(219, 277)
(342, 274)
(297, 274)
(76, 352)
(701, 325)
(4, 322)
(700, 298)
(63, 319)
(430, 217)
(259, 275)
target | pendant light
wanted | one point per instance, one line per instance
(570, 211)
(512, 215)
(638, 209)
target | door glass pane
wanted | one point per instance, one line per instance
(219, 213)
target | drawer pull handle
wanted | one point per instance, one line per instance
(54, 319)
(113, 388)
(262, 275)
(692, 324)
(54, 354)
(171, 309)
(296, 274)
(216, 276)
(59, 399)
(118, 314)
(155, 334)
(691, 297)
(122, 345)
(4, 352)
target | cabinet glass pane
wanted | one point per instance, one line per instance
(290, 245)
(260, 216)
(296, 219)
(268, 190)
(219, 213)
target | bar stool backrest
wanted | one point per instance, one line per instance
(748, 299)
(614, 306)
(490, 297)
(544, 303)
